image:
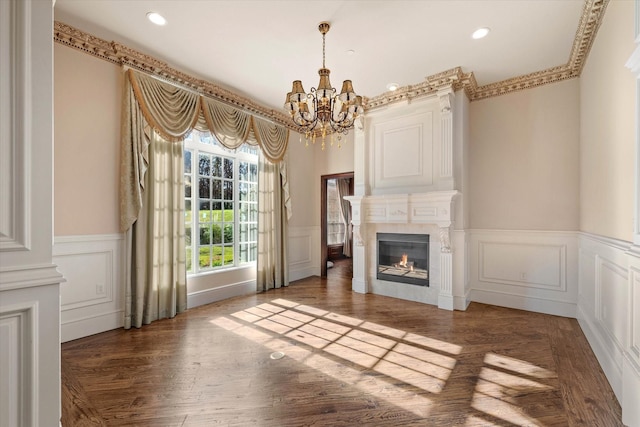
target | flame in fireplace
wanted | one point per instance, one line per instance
(403, 261)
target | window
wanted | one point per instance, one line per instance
(335, 225)
(221, 204)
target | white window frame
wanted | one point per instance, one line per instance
(196, 147)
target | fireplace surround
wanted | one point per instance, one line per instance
(409, 178)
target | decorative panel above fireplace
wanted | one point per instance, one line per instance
(403, 258)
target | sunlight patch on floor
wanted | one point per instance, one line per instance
(389, 363)
(519, 366)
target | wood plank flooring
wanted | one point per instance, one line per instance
(349, 359)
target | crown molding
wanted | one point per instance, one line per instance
(125, 56)
(455, 78)
(590, 20)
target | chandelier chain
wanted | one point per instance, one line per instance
(323, 35)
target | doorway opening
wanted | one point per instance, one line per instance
(335, 223)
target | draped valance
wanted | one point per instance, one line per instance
(173, 112)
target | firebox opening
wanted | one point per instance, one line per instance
(403, 258)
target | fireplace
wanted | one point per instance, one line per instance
(403, 258)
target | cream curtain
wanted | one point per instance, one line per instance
(345, 212)
(273, 215)
(151, 190)
(173, 112)
(157, 280)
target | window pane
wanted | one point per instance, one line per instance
(228, 233)
(203, 184)
(243, 171)
(244, 252)
(253, 251)
(244, 232)
(217, 234)
(253, 192)
(187, 186)
(205, 138)
(205, 257)
(216, 187)
(217, 166)
(243, 191)
(244, 212)
(253, 213)
(216, 211)
(253, 173)
(205, 235)
(228, 255)
(187, 235)
(228, 211)
(205, 216)
(205, 165)
(253, 232)
(187, 211)
(228, 190)
(205, 213)
(187, 161)
(217, 256)
(228, 168)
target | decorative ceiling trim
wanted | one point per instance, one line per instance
(455, 78)
(126, 56)
(590, 20)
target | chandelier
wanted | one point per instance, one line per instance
(323, 111)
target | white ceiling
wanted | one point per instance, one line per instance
(257, 48)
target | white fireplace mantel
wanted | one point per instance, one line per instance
(431, 208)
(435, 207)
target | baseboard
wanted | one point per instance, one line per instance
(528, 303)
(606, 354)
(630, 393)
(220, 293)
(297, 274)
(90, 325)
(446, 302)
(462, 302)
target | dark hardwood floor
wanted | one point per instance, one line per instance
(349, 359)
(342, 269)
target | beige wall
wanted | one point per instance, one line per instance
(87, 94)
(303, 183)
(523, 159)
(336, 159)
(607, 135)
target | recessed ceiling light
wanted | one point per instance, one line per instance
(480, 33)
(350, 52)
(156, 18)
(393, 86)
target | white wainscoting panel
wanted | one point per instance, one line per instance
(612, 289)
(92, 299)
(529, 270)
(304, 252)
(608, 312)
